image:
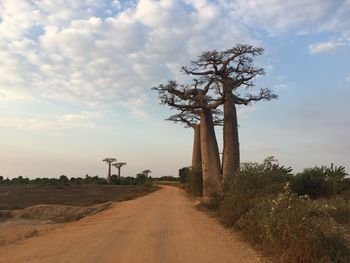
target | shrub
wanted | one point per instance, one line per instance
(297, 228)
(183, 174)
(214, 201)
(320, 182)
(344, 188)
(267, 177)
(232, 207)
(254, 181)
(63, 180)
(338, 209)
(195, 182)
(141, 178)
(286, 223)
(168, 178)
(191, 180)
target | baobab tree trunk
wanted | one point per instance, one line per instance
(196, 154)
(109, 174)
(231, 155)
(210, 155)
(119, 168)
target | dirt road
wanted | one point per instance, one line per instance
(161, 227)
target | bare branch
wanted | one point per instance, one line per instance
(265, 94)
(215, 104)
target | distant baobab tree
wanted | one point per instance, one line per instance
(234, 72)
(146, 172)
(109, 161)
(119, 166)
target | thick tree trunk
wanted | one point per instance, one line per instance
(109, 174)
(196, 154)
(231, 155)
(119, 168)
(210, 155)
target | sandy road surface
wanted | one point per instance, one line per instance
(162, 227)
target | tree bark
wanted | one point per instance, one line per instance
(119, 168)
(196, 154)
(109, 173)
(210, 155)
(231, 155)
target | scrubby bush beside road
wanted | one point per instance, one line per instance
(295, 218)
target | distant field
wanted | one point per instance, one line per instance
(21, 196)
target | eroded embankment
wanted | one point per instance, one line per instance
(17, 225)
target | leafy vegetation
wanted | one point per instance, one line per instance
(296, 218)
(192, 180)
(63, 180)
(321, 182)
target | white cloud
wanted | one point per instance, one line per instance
(323, 47)
(277, 16)
(338, 24)
(136, 106)
(67, 51)
(77, 56)
(67, 121)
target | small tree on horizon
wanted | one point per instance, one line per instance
(109, 161)
(119, 166)
(146, 172)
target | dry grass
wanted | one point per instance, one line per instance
(21, 196)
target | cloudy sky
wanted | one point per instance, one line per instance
(75, 79)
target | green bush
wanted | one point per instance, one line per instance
(195, 182)
(183, 174)
(141, 178)
(254, 181)
(192, 180)
(320, 182)
(265, 178)
(275, 211)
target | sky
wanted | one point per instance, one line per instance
(76, 79)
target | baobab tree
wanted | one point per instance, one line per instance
(146, 172)
(191, 119)
(234, 72)
(119, 166)
(109, 161)
(194, 97)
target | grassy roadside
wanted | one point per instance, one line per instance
(291, 218)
